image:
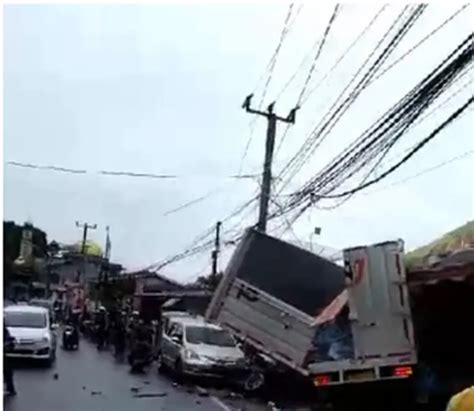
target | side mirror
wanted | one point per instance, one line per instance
(54, 326)
(176, 339)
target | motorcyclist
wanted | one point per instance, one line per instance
(140, 353)
(119, 334)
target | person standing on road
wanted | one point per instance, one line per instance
(8, 344)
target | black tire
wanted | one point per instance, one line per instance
(254, 382)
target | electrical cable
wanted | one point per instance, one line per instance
(427, 90)
(270, 70)
(418, 147)
(318, 53)
(330, 119)
(389, 116)
(346, 52)
(330, 71)
(420, 42)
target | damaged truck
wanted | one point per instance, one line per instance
(331, 324)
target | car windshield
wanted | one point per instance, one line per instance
(25, 319)
(210, 336)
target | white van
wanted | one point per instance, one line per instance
(32, 331)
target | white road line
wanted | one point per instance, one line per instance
(219, 402)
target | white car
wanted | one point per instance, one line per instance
(191, 346)
(32, 331)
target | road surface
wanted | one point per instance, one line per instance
(93, 381)
(88, 380)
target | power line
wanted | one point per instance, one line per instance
(270, 69)
(193, 202)
(424, 171)
(411, 177)
(132, 174)
(312, 68)
(418, 147)
(121, 173)
(420, 42)
(433, 83)
(52, 168)
(331, 70)
(338, 109)
(346, 52)
(318, 53)
(398, 118)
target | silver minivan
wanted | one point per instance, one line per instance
(191, 346)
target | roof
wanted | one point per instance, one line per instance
(198, 321)
(25, 309)
(454, 272)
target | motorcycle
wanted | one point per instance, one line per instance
(140, 356)
(70, 338)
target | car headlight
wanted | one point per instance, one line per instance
(45, 339)
(191, 355)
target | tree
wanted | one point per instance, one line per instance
(209, 281)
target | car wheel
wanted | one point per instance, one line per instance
(254, 381)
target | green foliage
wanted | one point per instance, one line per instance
(209, 282)
(445, 244)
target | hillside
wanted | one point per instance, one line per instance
(447, 243)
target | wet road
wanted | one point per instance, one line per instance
(88, 380)
(94, 381)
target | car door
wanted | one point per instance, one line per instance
(167, 343)
(176, 342)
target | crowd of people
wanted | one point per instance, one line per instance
(124, 331)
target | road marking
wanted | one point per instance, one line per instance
(221, 404)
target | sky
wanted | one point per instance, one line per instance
(158, 89)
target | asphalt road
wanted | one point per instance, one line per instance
(93, 381)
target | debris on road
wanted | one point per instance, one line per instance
(202, 392)
(96, 392)
(56, 376)
(151, 395)
(135, 389)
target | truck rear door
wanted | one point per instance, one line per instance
(378, 300)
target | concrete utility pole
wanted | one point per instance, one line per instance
(272, 119)
(85, 228)
(215, 253)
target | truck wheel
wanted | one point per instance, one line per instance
(254, 381)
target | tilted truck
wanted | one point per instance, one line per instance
(332, 324)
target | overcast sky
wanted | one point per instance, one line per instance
(158, 89)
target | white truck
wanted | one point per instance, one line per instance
(332, 324)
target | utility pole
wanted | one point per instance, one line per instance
(272, 119)
(85, 227)
(215, 253)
